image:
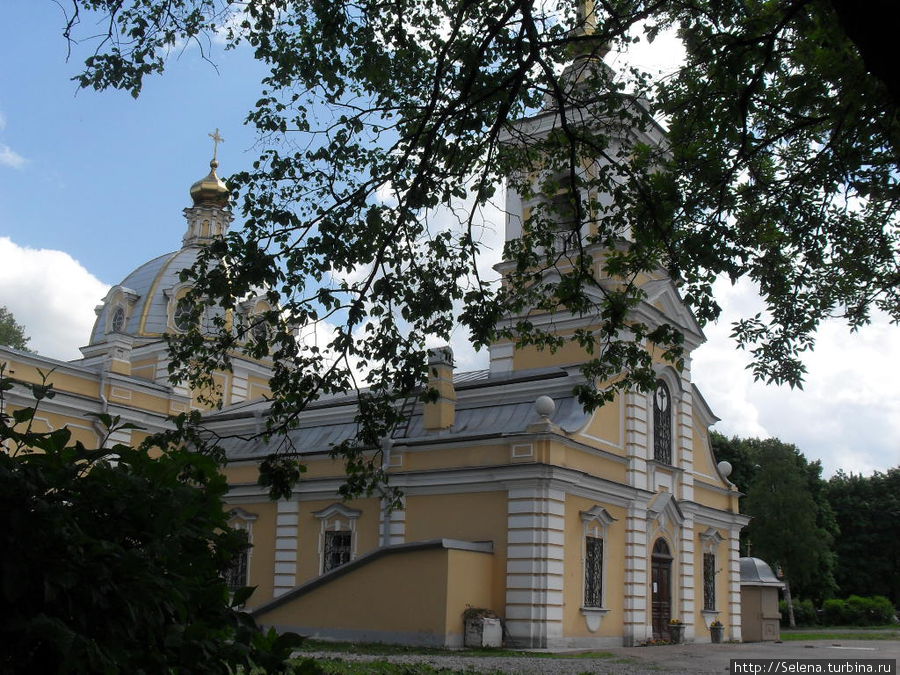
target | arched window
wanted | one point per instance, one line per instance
(662, 423)
(118, 319)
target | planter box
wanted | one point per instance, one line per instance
(717, 633)
(483, 632)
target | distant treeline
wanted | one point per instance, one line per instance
(830, 538)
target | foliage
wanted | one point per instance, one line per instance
(381, 123)
(792, 523)
(11, 333)
(859, 611)
(477, 613)
(112, 558)
(804, 612)
(867, 509)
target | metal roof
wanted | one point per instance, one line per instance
(495, 406)
(756, 572)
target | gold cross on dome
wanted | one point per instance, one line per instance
(217, 138)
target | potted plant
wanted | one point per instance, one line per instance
(717, 631)
(676, 630)
(482, 628)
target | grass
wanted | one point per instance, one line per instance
(890, 632)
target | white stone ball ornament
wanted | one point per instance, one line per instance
(724, 468)
(545, 407)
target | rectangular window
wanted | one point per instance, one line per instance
(337, 549)
(593, 572)
(236, 574)
(709, 581)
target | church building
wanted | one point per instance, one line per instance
(578, 529)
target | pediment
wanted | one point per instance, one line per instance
(711, 537)
(597, 514)
(663, 297)
(337, 509)
(663, 507)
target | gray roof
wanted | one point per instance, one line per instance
(756, 572)
(487, 405)
(149, 282)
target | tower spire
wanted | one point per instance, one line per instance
(209, 216)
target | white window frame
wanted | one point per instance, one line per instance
(710, 541)
(337, 518)
(239, 519)
(595, 522)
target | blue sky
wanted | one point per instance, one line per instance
(103, 173)
(93, 184)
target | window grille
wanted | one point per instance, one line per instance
(118, 320)
(593, 572)
(184, 314)
(337, 549)
(662, 423)
(709, 581)
(236, 574)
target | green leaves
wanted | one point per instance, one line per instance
(385, 129)
(116, 566)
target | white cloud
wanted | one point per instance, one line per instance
(11, 158)
(848, 412)
(51, 295)
(2, 121)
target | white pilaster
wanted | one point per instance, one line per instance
(396, 524)
(286, 526)
(637, 606)
(535, 566)
(734, 582)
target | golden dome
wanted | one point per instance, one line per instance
(210, 190)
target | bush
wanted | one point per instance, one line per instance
(834, 612)
(872, 611)
(804, 613)
(113, 560)
(858, 611)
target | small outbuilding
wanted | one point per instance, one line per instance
(760, 618)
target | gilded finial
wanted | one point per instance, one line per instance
(211, 190)
(217, 138)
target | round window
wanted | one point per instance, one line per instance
(184, 314)
(118, 320)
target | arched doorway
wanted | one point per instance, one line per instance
(661, 589)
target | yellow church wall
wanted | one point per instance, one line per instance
(237, 474)
(528, 357)
(711, 497)
(560, 454)
(453, 457)
(606, 427)
(703, 459)
(574, 624)
(470, 581)
(144, 368)
(398, 593)
(309, 530)
(723, 613)
(262, 555)
(86, 385)
(133, 398)
(478, 516)
(257, 387)
(81, 428)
